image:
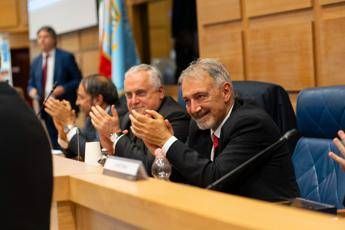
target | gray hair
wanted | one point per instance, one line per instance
(154, 73)
(213, 67)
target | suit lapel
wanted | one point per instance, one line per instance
(200, 140)
(226, 127)
(39, 74)
(57, 63)
(125, 122)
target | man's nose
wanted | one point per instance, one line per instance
(194, 106)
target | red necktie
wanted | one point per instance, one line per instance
(44, 75)
(215, 140)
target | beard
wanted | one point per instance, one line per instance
(205, 121)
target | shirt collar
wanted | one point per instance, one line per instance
(219, 128)
(51, 53)
(108, 109)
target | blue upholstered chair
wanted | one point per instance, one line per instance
(320, 114)
(272, 98)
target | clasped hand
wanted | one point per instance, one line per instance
(60, 110)
(103, 122)
(151, 127)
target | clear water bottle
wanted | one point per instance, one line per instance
(161, 168)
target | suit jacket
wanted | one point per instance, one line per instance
(25, 166)
(66, 74)
(247, 131)
(131, 147)
(87, 133)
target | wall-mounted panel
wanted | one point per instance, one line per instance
(69, 42)
(224, 43)
(89, 62)
(89, 38)
(332, 52)
(160, 49)
(23, 11)
(210, 12)
(159, 13)
(282, 54)
(19, 40)
(9, 15)
(325, 2)
(333, 11)
(159, 19)
(264, 7)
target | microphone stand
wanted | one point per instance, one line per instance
(79, 158)
(274, 146)
(45, 100)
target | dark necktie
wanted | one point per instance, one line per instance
(215, 140)
(44, 75)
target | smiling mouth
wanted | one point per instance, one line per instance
(201, 117)
(137, 108)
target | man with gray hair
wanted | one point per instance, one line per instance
(144, 91)
(225, 132)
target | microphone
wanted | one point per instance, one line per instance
(79, 158)
(45, 100)
(267, 150)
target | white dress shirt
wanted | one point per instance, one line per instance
(50, 70)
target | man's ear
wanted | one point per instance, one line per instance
(161, 92)
(227, 91)
(98, 100)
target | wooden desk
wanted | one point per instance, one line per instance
(97, 201)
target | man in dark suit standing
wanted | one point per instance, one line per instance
(25, 166)
(143, 90)
(225, 132)
(52, 65)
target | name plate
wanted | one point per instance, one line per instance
(124, 168)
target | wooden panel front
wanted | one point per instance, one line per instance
(19, 40)
(89, 38)
(158, 12)
(264, 7)
(69, 41)
(90, 62)
(210, 12)
(325, 2)
(160, 49)
(295, 43)
(332, 52)
(159, 20)
(8, 16)
(225, 44)
(282, 54)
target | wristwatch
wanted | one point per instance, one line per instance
(115, 136)
(68, 128)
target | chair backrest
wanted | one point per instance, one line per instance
(320, 114)
(272, 98)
